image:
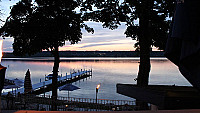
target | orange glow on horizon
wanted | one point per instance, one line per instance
(122, 47)
(125, 44)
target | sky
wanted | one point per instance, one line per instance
(103, 39)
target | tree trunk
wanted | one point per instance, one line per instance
(144, 67)
(54, 78)
(145, 45)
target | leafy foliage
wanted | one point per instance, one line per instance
(158, 19)
(44, 24)
(109, 12)
(112, 12)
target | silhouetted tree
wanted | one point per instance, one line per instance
(147, 21)
(152, 29)
(44, 25)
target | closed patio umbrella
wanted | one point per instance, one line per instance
(183, 45)
(27, 82)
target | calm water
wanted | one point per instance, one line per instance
(107, 71)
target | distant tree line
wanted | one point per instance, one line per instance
(88, 54)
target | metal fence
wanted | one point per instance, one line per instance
(32, 102)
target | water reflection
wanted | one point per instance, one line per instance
(108, 72)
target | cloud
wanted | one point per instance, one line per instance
(114, 45)
(103, 38)
(7, 44)
(102, 44)
(103, 34)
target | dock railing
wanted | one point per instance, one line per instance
(39, 88)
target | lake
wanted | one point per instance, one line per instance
(107, 71)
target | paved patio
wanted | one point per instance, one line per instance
(158, 111)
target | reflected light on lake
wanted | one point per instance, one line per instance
(108, 72)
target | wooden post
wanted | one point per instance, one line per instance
(0, 103)
(44, 88)
(71, 75)
(66, 76)
(2, 78)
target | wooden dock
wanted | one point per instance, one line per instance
(46, 86)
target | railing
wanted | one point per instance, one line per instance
(31, 102)
(89, 104)
(99, 101)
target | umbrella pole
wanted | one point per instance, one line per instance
(15, 92)
(68, 94)
(0, 103)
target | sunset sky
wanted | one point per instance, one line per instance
(102, 39)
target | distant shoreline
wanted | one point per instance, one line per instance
(86, 54)
(77, 59)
